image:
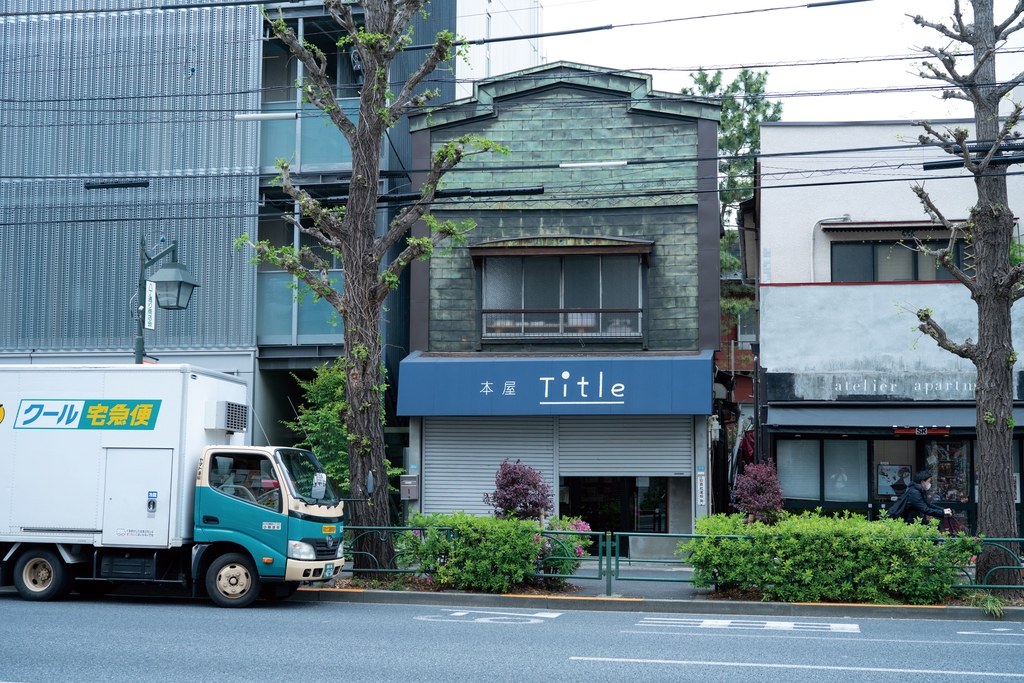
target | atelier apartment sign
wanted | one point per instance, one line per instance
(875, 386)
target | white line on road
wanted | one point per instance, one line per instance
(723, 634)
(987, 633)
(747, 624)
(756, 665)
(542, 615)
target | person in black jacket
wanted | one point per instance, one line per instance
(917, 506)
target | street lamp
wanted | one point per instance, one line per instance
(173, 286)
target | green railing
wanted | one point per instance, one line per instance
(383, 533)
(1002, 543)
(606, 556)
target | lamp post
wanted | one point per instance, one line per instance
(173, 288)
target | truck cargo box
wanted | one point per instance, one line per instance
(107, 455)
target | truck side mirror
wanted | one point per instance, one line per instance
(369, 484)
(319, 488)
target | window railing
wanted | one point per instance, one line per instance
(615, 323)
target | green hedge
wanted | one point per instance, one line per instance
(813, 558)
(479, 553)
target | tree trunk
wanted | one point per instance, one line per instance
(363, 359)
(991, 233)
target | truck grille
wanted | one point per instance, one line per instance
(323, 550)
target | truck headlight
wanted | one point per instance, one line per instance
(297, 550)
(341, 550)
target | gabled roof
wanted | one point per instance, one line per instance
(602, 81)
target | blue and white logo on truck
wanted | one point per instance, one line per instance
(88, 414)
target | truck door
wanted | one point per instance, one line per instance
(136, 497)
(242, 503)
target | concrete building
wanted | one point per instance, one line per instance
(575, 331)
(854, 399)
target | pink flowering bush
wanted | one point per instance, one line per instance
(757, 492)
(561, 553)
(520, 491)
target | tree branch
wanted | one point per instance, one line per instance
(1008, 125)
(1002, 30)
(319, 282)
(442, 161)
(316, 87)
(944, 255)
(960, 37)
(328, 225)
(439, 53)
(931, 328)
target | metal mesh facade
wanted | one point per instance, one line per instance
(125, 95)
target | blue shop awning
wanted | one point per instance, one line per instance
(477, 384)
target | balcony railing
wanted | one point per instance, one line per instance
(615, 323)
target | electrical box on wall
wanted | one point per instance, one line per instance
(409, 485)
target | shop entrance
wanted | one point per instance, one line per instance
(617, 503)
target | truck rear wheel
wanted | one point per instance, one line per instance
(41, 575)
(232, 581)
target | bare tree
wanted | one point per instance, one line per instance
(349, 232)
(995, 285)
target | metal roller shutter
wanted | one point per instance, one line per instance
(461, 456)
(656, 446)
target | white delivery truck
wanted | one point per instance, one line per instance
(138, 473)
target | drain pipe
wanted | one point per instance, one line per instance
(814, 232)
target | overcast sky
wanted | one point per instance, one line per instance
(866, 29)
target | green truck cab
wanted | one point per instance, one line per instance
(265, 520)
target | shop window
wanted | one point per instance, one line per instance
(846, 470)
(949, 464)
(894, 467)
(890, 262)
(562, 296)
(799, 468)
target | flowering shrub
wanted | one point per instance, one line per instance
(757, 492)
(520, 491)
(561, 553)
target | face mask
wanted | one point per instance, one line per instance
(926, 485)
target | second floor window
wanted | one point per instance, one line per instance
(562, 296)
(891, 262)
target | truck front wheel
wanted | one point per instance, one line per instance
(41, 575)
(232, 581)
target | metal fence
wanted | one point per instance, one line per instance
(604, 562)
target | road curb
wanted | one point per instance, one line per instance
(601, 604)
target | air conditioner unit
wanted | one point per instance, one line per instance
(228, 416)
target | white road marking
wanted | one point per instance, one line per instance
(490, 617)
(542, 615)
(973, 643)
(749, 624)
(987, 633)
(758, 665)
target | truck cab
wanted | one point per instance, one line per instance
(266, 519)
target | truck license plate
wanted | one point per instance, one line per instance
(328, 571)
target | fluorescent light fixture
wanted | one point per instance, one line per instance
(271, 116)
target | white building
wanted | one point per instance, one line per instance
(853, 397)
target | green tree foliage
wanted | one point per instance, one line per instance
(320, 423)
(736, 296)
(744, 107)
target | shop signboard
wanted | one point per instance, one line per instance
(437, 384)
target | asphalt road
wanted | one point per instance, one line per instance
(148, 639)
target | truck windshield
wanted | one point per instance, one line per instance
(300, 468)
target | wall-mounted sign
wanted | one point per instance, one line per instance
(438, 384)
